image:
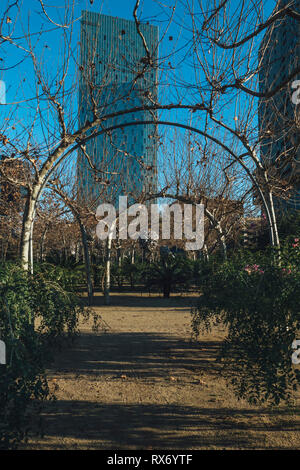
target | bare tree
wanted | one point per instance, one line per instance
(225, 57)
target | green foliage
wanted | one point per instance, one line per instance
(98, 273)
(117, 276)
(132, 272)
(289, 225)
(33, 311)
(69, 278)
(21, 380)
(169, 272)
(257, 296)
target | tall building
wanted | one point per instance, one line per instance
(115, 76)
(279, 135)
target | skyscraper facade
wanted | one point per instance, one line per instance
(116, 76)
(279, 132)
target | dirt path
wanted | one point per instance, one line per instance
(144, 385)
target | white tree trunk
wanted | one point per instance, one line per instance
(31, 246)
(205, 252)
(27, 231)
(107, 271)
(273, 222)
(42, 245)
(87, 262)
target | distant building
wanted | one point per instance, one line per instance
(112, 55)
(280, 138)
(252, 228)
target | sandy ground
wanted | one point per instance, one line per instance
(144, 385)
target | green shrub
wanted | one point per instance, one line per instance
(172, 271)
(21, 379)
(70, 278)
(257, 296)
(33, 311)
(132, 272)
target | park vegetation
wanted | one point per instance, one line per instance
(210, 154)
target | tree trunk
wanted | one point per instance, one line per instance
(268, 205)
(220, 234)
(273, 222)
(86, 261)
(167, 290)
(119, 256)
(107, 271)
(205, 252)
(31, 246)
(27, 232)
(42, 245)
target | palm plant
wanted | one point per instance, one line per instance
(170, 271)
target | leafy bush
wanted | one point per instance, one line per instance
(70, 278)
(22, 379)
(170, 272)
(98, 273)
(117, 275)
(257, 296)
(289, 225)
(33, 310)
(132, 272)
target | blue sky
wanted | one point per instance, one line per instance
(19, 80)
(49, 44)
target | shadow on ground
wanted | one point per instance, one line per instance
(115, 426)
(136, 354)
(135, 389)
(145, 300)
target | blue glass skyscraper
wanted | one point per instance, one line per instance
(115, 77)
(279, 132)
